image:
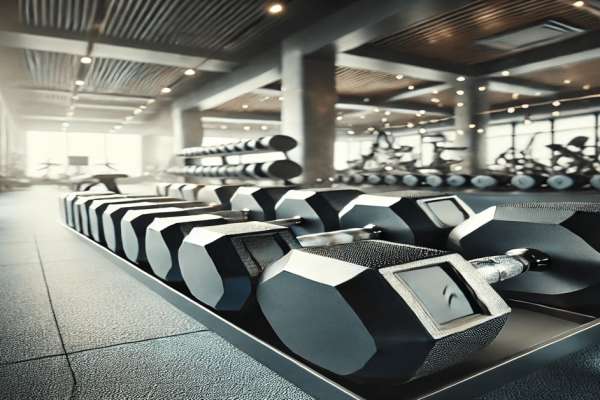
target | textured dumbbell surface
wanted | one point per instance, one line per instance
(567, 232)
(380, 310)
(221, 264)
(420, 217)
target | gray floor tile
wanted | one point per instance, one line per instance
(193, 366)
(575, 377)
(97, 304)
(48, 378)
(18, 253)
(64, 250)
(15, 236)
(27, 325)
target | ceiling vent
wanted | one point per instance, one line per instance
(534, 36)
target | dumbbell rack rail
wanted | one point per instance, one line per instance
(533, 337)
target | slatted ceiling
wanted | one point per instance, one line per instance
(446, 98)
(51, 70)
(450, 36)
(256, 104)
(585, 73)
(502, 98)
(69, 15)
(353, 119)
(355, 82)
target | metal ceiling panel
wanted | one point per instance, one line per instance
(355, 82)
(451, 36)
(51, 70)
(255, 104)
(571, 77)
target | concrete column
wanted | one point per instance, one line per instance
(308, 112)
(471, 126)
(155, 152)
(187, 128)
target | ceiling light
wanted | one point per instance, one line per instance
(527, 120)
(366, 99)
(460, 92)
(460, 132)
(79, 82)
(165, 90)
(399, 77)
(137, 111)
(579, 4)
(555, 113)
(418, 114)
(433, 121)
(339, 117)
(65, 124)
(586, 87)
(350, 132)
(143, 107)
(460, 104)
(280, 98)
(75, 97)
(525, 105)
(556, 103)
(129, 118)
(481, 88)
(190, 72)
(435, 92)
(384, 119)
(510, 110)
(472, 126)
(150, 101)
(505, 73)
(264, 127)
(246, 128)
(422, 130)
(362, 117)
(245, 106)
(376, 110)
(515, 96)
(435, 100)
(86, 60)
(387, 113)
(538, 93)
(117, 127)
(370, 129)
(410, 125)
(422, 122)
(461, 78)
(480, 130)
(223, 127)
(411, 87)
(567, 81)
(422, 111)
(275, 8)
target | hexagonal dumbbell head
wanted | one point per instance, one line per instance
(380, 310)
(318, 208)
(81, 214)
(567, 232)
(66, 203)
(434, 180)
(220, 264)
(259, 201)
(458, 180)
(526, 182)
(489, 181)
(216, 194)
(420, 217)
(162, 189)
(190, 191)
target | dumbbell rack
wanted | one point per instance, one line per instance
(533, 337)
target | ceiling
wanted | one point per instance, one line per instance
(400, 61)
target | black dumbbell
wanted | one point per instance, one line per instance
(318, 208)
(435, 180)
(528, 181)
(232, 256)
(567, 181)
(68, 199)
(568, 232)
(384, 311)
(458, 180)
(490, 181)
(413, 180)
(260, 203)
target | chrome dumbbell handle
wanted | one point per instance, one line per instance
(513, 263)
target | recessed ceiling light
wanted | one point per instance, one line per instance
(515, 96)
(460, 104)
(366, 99)
(505, 73)
(435, 92)
(362, 117)
(399, 77)
(129, 118)
(376, 110)
(410, 125)
(387, 113)
(460, 92)
(422, 122)
(472, 126)
(461, 78)
(411, 87)
(86, 60)
(537, 94)
(422, 111)
(280, 98)
(460, 132)
(586, 87)
(246, 128)
(264, 127)
(525, 105)
(422, 130)
(435, 100)
(480, 130)
(350, 132)
(150, 101)
(579, 4)
(223, 127)
(143, 107)
(137, 111)
(339, 118)
(245, 106)
(556, 103)
(79, 82)
(117, 127)
(555, 113)
(165, 90)
(481, 88)
(510, 110)
(384, 119)
(527, 120)
(370, 129)
(275, 8)
(567, 81)
(190, 72)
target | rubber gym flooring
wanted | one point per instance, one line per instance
(74, 326)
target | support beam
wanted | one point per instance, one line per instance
(521, 86)
(187, 128)
(579, 49)
(240, 118)
(128, 50)
(308, 113)
(424, 90)
(91, 96)
(348, 103)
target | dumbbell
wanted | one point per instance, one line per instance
(435, 180)
(413, 180)
(567, 232)
(67, 199)
(567, 181)
(527, 181)
(260, 203)
(220, 264)
(162, 189)
(375, 179)
(377, 310)
(319, 209)
(458, 180)
(595, 182)
(393, 179)
(80, 211)
(489, 181)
